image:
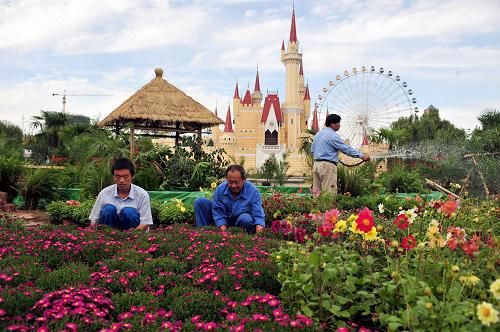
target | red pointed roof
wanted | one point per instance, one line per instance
(274, 100)
(236, 92)
(257, 82)
(293, 30)
(228, 126)
(301, 70)
(306, 94)
(283, 45)
(247, 100)
(314, 124)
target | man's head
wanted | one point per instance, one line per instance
(333, 121)
(235, 177)
(123, 172)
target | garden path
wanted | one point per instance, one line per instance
(33, 218)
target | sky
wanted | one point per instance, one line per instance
(448, 51)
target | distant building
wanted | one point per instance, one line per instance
(257, 127)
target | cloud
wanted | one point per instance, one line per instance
(106, 26)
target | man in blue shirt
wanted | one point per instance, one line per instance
(325, 148)
(122, 205)
(236, 202)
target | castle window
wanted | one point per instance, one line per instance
(271, 138)
(291, 121)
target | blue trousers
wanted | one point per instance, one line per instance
(204, 216)
(127, 219)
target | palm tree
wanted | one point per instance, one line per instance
(305, 148)
(490, 118)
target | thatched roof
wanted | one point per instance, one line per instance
(159, 104)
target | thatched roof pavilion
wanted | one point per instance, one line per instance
(160, 106)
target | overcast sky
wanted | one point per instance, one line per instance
(447, 50)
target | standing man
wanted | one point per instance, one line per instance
(122, 205)
(325, 148)
(236, 202)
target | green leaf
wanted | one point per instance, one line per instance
(314, 259)
(306, 310)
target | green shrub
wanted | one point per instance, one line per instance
(175, 212)
(356, 180)
(18, 301)
(72, 274)
(402, 180)
(58, 210)
(194, 302)
(164, 264)
(40, 183)
(11, 170)
(123, 301)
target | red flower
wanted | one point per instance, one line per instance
(365, 220)
(402, 221)
(448, 208)
(325, 229)
(409, 242)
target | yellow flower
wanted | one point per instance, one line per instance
(471, 280)
(213, 185)
(486, 313)
(340, 226)
(455, 268)
(394, 243)
(183, 209)
(495, 289)
(371, 235)
(352, 218)
(354, 227)
(278, 257)
(428, 305)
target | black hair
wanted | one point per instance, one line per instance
(123, 163)
(237, 168)
(332, 118)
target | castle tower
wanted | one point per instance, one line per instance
(293, 107)
(257, 95)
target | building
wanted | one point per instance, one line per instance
(258, 126)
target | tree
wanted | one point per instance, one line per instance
(11, 140)
(490, 118)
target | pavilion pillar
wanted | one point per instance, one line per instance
(177, 135)
(132, 142)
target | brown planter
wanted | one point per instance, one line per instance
(3, 198)
(9, 207)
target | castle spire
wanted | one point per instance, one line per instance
(293, 30)
(306, 94)
(257, 81)
(283, 45)
(228, 126)
(314, 124)
(236, 92)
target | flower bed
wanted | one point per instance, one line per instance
(422, 265)
(63, 277)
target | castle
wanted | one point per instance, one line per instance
(259, 127)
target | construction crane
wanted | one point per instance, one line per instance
(64, 95)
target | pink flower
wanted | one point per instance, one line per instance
(231, 317)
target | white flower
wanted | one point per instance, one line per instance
(381, 208)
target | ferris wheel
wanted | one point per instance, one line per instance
(367, 99)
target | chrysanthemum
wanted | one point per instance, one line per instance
(371, 235)
(401, 221)
(409, 242)
(448, 208)
(495, 289)
(331, 216)
(365, 221)
(471, 280)
(486, 313)
(340, 226)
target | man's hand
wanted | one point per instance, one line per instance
(142, 227)
(366, 157)
(223, 228)
(93, 223)
(259, 228)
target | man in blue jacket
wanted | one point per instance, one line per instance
(325, 149)
(236, 202)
